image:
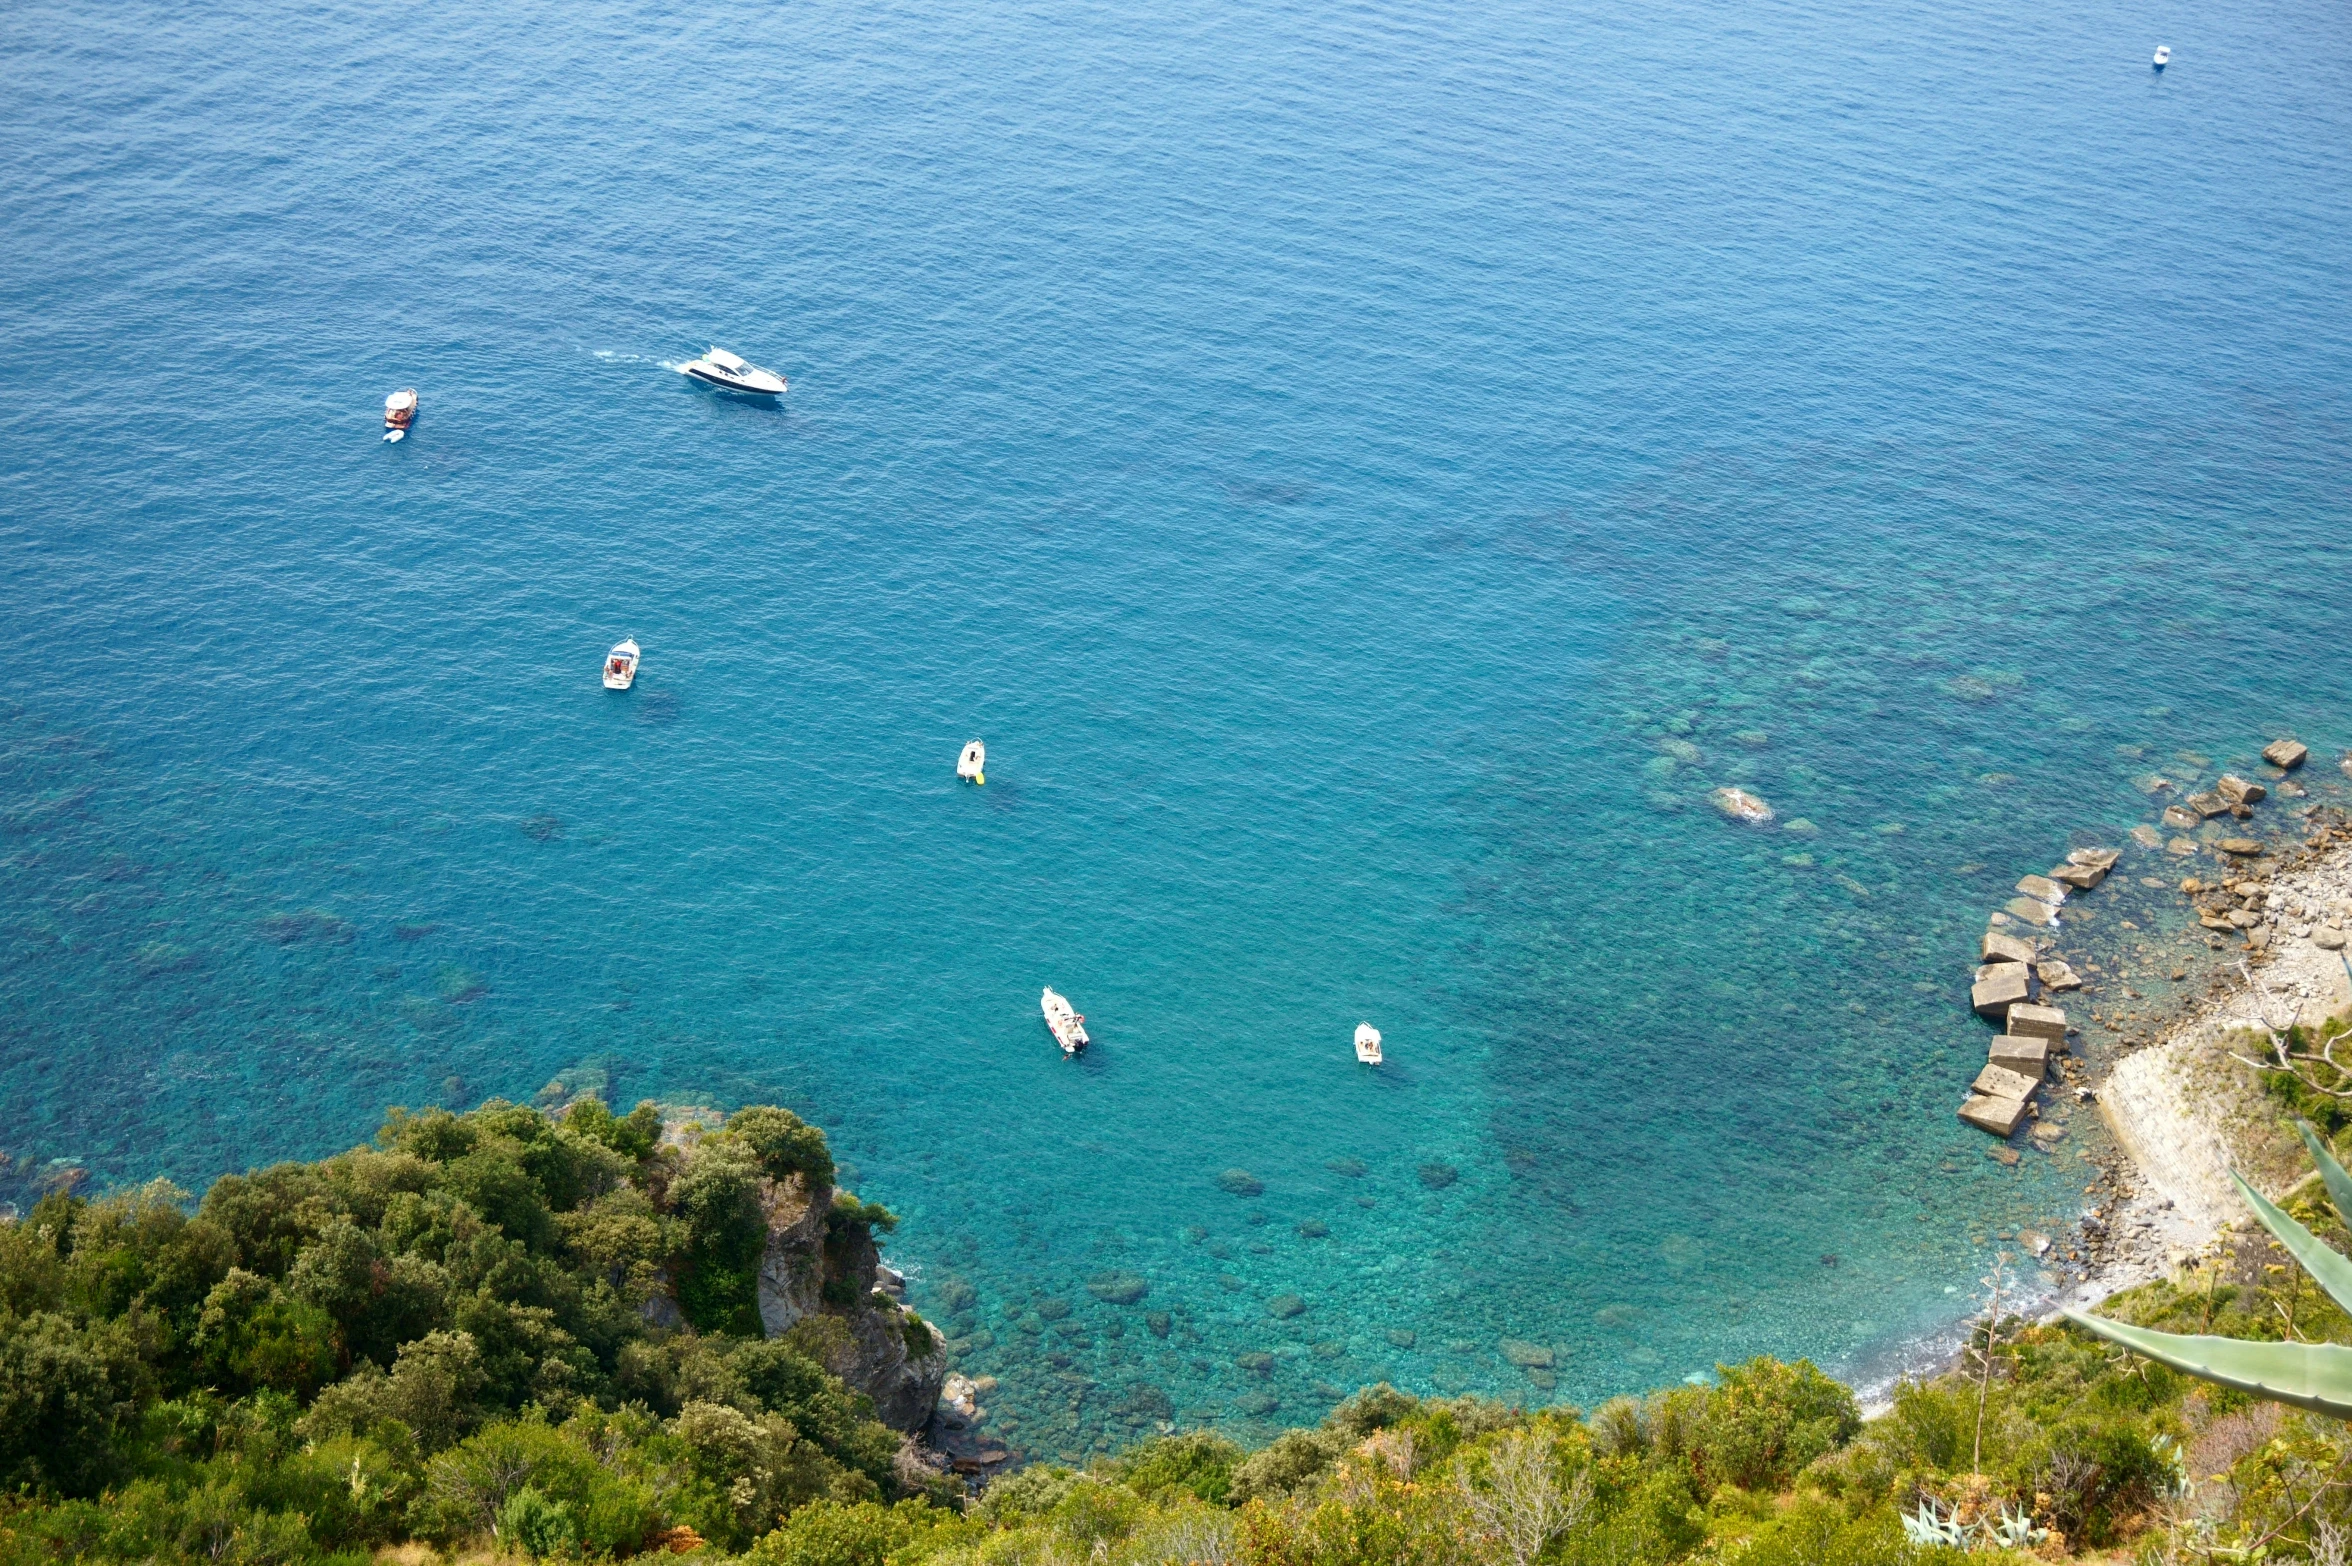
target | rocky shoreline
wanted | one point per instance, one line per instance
(2177, 1086)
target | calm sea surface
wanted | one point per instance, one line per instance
(1368, 470)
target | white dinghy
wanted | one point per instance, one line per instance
(1068, 1027)
(973, 763)
(1367, 1044)
(620, 666)
(2163, 56)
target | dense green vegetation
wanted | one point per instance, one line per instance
(436, 1347)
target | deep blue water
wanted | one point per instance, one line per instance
(1363, 468)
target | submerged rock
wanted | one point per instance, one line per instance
(2286, 754)
(1283, 1307)
(1240, 1182)
(1741, 805)
(1118, 1288)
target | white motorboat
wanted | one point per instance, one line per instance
(722, 369)
(400, 411)
(1068, 1027)
(1367, 1044)
(2163, 56)
(973, 763)
(620, 665)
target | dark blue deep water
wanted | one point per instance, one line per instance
(1369, 470)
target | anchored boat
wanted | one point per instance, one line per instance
(400, 411)
(1068, 1027)
(1367, 1044)
(620, 666)
(973, 763)
(2163, 56)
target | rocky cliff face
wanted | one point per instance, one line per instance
(822, 1268)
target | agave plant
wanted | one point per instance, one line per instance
(2317, 1376)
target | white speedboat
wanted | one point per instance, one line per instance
(1367, 1044)
(620, 666)
(400, 411)
(973, 763)
(1068, 1027)
(2163, 56)
(722, 369)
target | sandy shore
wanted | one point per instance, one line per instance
(2184, 1111)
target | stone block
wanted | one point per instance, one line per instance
(2238, 790)
(2000, 1082)
(2028, 911)
(2042, 889)
(2040, 1022)
(2004, 987)
(2181, 818)
(2000, 1116)
(2056, 975)
(2208, 804)
(2286, 754)
(2147, 836)
(2244, 847)
(1997, 947)
(2081, 877)
(2023, 1054)
(2096, 858)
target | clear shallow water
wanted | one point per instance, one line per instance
(1328, 453)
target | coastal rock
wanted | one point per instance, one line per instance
(1284, 1306)
(2023, 1054)
(2040, 1022)
(2286, 754)
(2243, 847)
(2000, 1082)
(2147, 837)
(1741, 805)
(2042, 889)
(1240, 1182)
(1996, 947)
(2328, 938)
(2208, 804)
(2082, 878)
(879, 1347)
(1118, 1288)
(2095, 858)
(2181, 847)
(2031, 911)
(2181, 818)
(1527, 1356)
(2238, 790)
(1996, 995)
(2000, 1116)
(2056, 975)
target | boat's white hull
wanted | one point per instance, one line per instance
(973, 763)
(620, 666)
(1368, 1044)
(1067, 1026)
(765, 386)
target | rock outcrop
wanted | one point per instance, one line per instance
(821, 1266)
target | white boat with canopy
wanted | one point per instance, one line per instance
(620, 665)
(973, 763)
(1367, 1044)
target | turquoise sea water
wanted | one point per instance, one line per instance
(1368, 471)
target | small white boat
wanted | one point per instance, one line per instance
(2163, 56)
(1068, 1027)
(620, 666)
(400, 411)
(722, 369)
(973, 763)
(1367, 1044)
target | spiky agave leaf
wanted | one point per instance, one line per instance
(2317, 1376)
(2339, 1184)
(2329, 1267)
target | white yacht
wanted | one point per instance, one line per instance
(620, 665)
(2163, 56)
(1068, 1027)
(1367, 1044)
(722, 369)
(400, 411)
(973, 763)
